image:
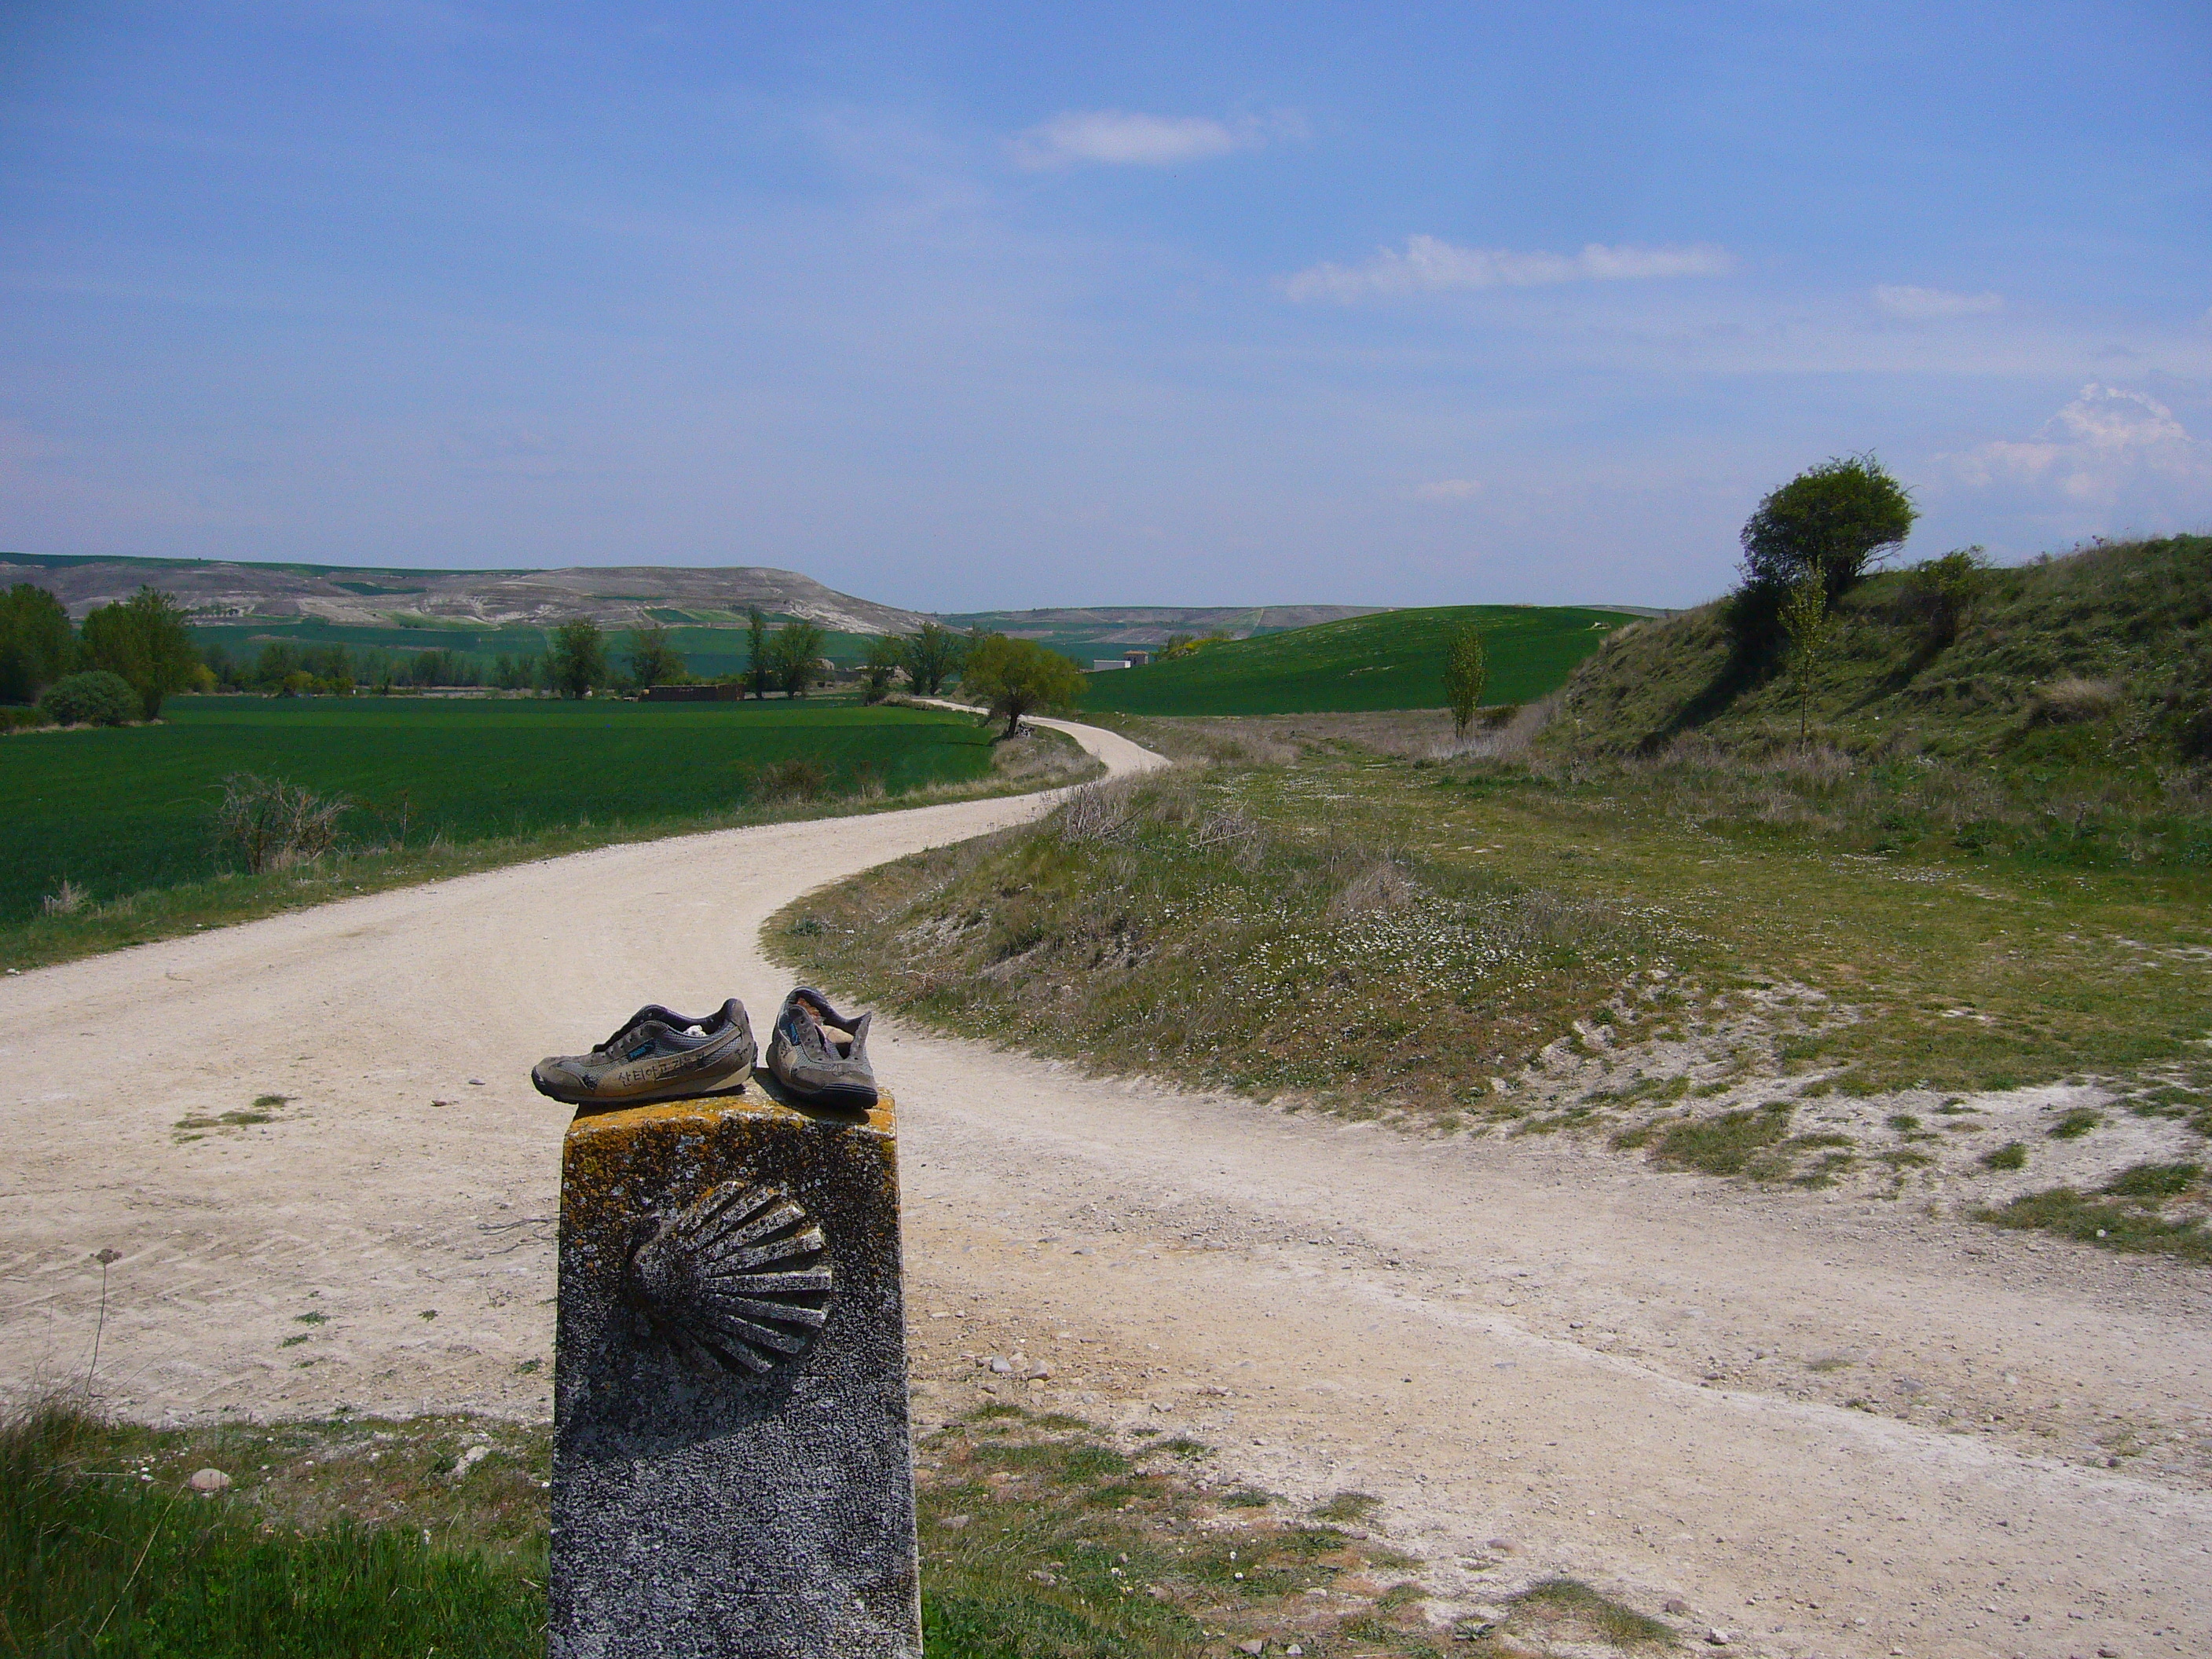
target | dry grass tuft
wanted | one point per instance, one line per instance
(2072, 700)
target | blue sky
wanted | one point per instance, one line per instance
(961, 306)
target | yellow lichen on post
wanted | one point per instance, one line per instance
(731, 1469)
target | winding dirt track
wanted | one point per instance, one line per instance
(1637, 1379)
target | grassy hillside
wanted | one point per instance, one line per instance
(1392, 659)
(2096, 657)
(417, 768)
(1954, 946)
(1093, 631)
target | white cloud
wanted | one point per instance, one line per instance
(1431, 265)
(1120, 138)
(1448, 489)
(1920, 304)
(2106, 444)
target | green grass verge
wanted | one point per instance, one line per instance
(105, 1550)
(1392, 660)
(1040, 1540)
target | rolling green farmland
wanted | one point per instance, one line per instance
(1392, 660)
(118, 811)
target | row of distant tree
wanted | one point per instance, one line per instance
(125, 659)
(140, 650)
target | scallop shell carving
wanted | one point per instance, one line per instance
(743, 1274)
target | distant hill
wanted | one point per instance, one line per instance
(2104, 653)
(614, 596)
(1089, 631)
(1379, 660)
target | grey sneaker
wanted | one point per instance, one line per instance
(658, 1055)
(819, 1054)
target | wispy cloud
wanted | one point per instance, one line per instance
(1115, 138)
(2106, 444)
(1922, 305)
(1431, 265)
(1448, 489)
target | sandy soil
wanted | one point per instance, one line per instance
(1839, 1427)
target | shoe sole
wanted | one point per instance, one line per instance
(732, 1083)
(854, 1095)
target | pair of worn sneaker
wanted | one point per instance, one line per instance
(815, 1053)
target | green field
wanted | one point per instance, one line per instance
(118, 811)
(1394, 659)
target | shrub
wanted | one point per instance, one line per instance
(277, 824)
(797, 779)
(24, 720)
(97, 697)
(66, 901)
(1942, 593)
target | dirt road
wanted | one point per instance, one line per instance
(1828, 1428)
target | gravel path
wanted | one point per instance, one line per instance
(1824, 1428)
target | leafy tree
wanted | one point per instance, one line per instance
(653, 660)
(1806, 625)
(221, 666)
(1944, 592)
(1466, 672)
(147, 643)
(797, 655)
(1832, 518)
(933, 657)
(1015, 677)
(884, 658)
(760, 672)
(36, 643)
(579, 658)
(97, 697)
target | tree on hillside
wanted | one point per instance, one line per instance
(760, 664)
(1834, 518)
(933, 657)
(1806, 624)
(796, 654)
(144, 639)
(36, 643)
(1016, 678)
(578, 660)
(654, 659)
(1466, 672)
(886, 656)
